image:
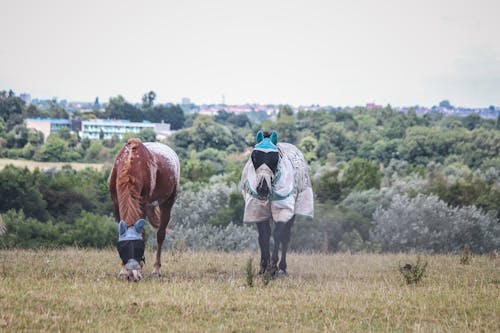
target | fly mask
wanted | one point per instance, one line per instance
(265, 159)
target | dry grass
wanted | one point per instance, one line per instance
(32, 165)
(77, 290)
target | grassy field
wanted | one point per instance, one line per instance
(32, 165)
(77, 290)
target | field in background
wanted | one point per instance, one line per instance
(77, 290)
(43, 166)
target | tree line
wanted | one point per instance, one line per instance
(368, 167)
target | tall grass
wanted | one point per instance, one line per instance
(77, 290)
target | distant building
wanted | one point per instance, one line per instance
(25, 97)
(373, 106)
(162, 130)
(92, 129)
(47, 125)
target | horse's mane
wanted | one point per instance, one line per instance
(129, 198)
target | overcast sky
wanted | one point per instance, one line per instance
(346, 52)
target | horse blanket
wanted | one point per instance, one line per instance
(291, 192)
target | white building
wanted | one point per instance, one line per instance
(92, 129)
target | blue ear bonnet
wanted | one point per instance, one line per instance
(130, 233)
(266, 144)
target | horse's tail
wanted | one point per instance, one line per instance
(132, 145)
(128, 196)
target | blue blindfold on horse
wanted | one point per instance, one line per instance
(130, 243)
(265, 159)
(266, 151)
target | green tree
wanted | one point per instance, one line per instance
(206, 133)
(285, 126)
(308, 146)
(11, 109)
(55, 150)
(148, 99)
(327, 186)
(196, 171)
(285, 111)
(27, 232)
(119, 108)
(361, 175)
(333, 138)
(17, 137)
(19, 189)
(92, 230)
(445, 104)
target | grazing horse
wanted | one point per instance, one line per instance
(143, 184)
(275, 185)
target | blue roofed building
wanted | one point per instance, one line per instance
(47, 125)
(96, 128)
(93, 129)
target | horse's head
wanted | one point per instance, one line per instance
(131, 249)
(265, 159)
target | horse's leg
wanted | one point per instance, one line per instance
(264, 230)
(277, 236)
(285, 240)
(165, 209)
(123, 273)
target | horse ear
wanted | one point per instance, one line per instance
(259, 137)
(274, 137)
(122, 227)
(139, 225)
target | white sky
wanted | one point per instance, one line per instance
(342, 52)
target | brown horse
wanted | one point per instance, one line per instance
(143, 185)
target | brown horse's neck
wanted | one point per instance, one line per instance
(132, 177)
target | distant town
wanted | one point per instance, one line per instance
(188, 106)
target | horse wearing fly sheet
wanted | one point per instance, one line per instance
(275, 185)
(143, 184)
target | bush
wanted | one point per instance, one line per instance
(92, 230)
(413, 273)
(193, 208)
(327, 229)
(27, 232)
(206, 219)
(208, 237)
(429, 224)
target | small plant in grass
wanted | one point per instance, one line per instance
(178, 248)
(249, 271)
(267, 277)
(466, 255)
(413, 273)
(493, 255)
(2, 226)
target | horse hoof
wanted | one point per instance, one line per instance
(156, 275)
(281, 273)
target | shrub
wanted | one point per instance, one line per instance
(27, 232)
(92, 230)
(208, 237)
(429, 224)
(413, 273)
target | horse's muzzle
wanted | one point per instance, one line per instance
(134, 270)
(263, 190)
